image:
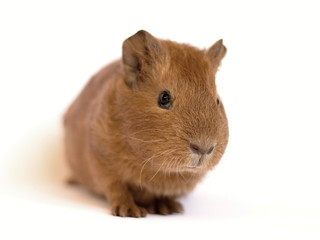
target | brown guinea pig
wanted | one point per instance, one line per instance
(146, 129)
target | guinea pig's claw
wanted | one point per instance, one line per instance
(128, 210)
(164, 206)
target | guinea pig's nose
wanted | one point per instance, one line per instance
(200, 150)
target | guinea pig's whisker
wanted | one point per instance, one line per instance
(167, 169)
(146, 130)
(174, 165)
(157, 171)
(160, 154)
(192, 176)
(167, 152)
(151, 158)
(146, 141)
(144, 163)
(180, 175)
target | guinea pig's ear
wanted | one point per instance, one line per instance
(216, 53)
(138, 52)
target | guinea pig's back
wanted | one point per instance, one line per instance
(76, 121)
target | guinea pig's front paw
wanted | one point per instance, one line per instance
(164, 206)
(128, 210)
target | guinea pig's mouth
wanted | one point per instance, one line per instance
(192, 167)
(197, 162)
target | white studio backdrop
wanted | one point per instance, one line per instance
(267, 184)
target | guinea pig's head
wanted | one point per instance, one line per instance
(173, 117)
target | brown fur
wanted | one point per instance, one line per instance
(122, 145)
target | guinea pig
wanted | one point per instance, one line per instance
(147, 128)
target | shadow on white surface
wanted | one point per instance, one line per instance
(39, 172)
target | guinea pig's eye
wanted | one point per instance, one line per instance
(165, 100)
(218, 101)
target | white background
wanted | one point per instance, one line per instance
(267, 185)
